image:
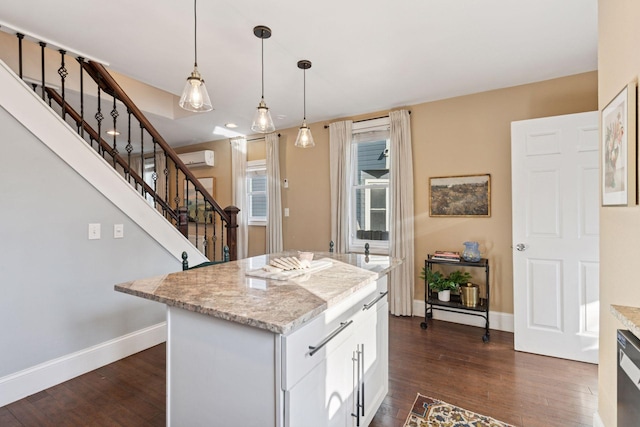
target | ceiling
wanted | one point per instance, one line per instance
(367, 55)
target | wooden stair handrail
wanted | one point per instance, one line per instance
(109, 85)
(106, 147)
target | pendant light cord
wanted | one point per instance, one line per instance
(304, 94)
(262, 40)
(195, 33)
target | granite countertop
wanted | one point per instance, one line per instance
(629, 316)
(227, 292)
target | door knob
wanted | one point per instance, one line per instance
(521, 247)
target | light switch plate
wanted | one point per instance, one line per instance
(94, 231)
(118, 231)
(286, 211)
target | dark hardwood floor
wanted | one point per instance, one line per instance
(448, 362)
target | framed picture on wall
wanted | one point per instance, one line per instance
(619, 149)
(465, 196)
(195, 201)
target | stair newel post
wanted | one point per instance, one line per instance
(232, 231)
(183, 221)
(43, 45)
(20, 38)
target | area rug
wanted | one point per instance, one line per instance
(429, 412)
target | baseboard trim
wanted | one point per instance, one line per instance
(497, 320)
(32, 380)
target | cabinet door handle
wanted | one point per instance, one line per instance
(362, 383)
(358, 360)
(375, 301)
(342, 327)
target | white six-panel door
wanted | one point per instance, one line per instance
(555, 196)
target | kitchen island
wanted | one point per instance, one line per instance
(310, 350)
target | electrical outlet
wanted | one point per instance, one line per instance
(286, 211)
(285, 183)
(118, 231)
(94, 231)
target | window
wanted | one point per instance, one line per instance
(257, 192)
(369, 198)
(149, 170)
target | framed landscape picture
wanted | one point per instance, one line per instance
(464, 196)
(195, 201)
(619, 149)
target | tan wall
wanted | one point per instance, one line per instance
(458, 136)
(618, 63)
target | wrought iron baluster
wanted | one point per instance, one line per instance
(142, 159)
(114, 114)
(129, 147)
(206, 219)
(63, 73)
(81, 61)
(20, 38)
(177, 198)
(99, 117)
(214, 234)
(154, 175)
(221, 236)
(166, 183)
(195, 195)
(42, 46)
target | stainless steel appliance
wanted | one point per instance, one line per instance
(628, 379)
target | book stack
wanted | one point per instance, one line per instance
(446, 256)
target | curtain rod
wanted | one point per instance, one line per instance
(257, 139)
(366, 120)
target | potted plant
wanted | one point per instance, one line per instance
(444, 284)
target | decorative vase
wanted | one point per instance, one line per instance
(471, 252)
(444, 295)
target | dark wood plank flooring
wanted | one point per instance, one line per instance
(448, 362)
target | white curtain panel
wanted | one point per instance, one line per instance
(340, 159)
(401, 236)
(274, 199)
(136, 166)
(239, 192)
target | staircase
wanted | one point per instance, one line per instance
(90, 101)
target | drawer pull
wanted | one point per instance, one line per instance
(375, 301)
(342, 327)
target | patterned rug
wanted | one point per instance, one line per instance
(428, 412)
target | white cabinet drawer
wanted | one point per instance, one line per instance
(312, 343)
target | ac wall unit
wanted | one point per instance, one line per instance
(197, 158)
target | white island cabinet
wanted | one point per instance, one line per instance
(309, 351)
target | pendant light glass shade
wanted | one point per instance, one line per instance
(194, 96)
(262, 121)
(304, 139)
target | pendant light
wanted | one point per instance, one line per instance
(194, 96)
(304, 139)
(262, 122)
